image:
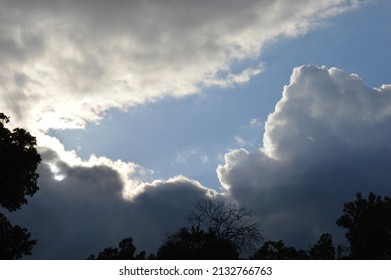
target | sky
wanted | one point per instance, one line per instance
(142, 108)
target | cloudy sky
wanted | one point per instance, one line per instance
(141, 108)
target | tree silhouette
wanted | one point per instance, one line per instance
(229, 222)
(368, 224)
(217, 230)
(15, 241)
(195, 244)
(18, 164)
(276, 250)
(324, 248)
(125, 251)
(18, 178)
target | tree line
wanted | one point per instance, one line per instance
(216, 229)
(223, 230)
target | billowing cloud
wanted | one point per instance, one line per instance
(327, 139)
(66, 62)
(84, 210)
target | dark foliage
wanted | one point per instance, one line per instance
(276, 250)
(195, 244)
(368, 224)
(229, 222)
(324, 249)
(218, 230)
(125, 251)
(18, 163)
(15, 241)
(18, 178)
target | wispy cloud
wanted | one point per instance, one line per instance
(205, 159)
(240, 141)
(254, 122)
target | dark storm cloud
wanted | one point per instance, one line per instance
(85, 211)
(65, 63)
(327, 139)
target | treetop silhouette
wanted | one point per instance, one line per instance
(228, 221)
(125, 251)
(18, 164)
(195, 244)
(368, 224)
(15, 241)
(18, 178)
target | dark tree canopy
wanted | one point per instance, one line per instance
(196, 244)
(368, 224)
(219, 230)
(18, 164)
(15, 241)
(276, 250)
(125, 251)
(324, 249)
(18, 178)
(228, 221)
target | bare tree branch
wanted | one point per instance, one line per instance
(228, 221)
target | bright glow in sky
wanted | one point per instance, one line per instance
(163, 103)
(208, 125)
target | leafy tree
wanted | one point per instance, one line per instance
(276, 250)
(18, 164)
(19, 160)
(228, 222)
(368, 224)
(324, 249)
(125, 251)
(15, 241)
(195, 244)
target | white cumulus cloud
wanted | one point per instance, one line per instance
(65, 63)
(327, 139)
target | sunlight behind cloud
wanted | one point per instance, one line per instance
(76, 66)
(66, 64)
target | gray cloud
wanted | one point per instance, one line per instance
(85, 211)
(93, 55)
(326, 140)
(89, 56)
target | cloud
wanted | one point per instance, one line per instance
(254, 122)
(240, 141)
(84, 206)
(90, 56)
(86, 210)
(327, 139)
(205, 159)
(65, 63)
(59, 161)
